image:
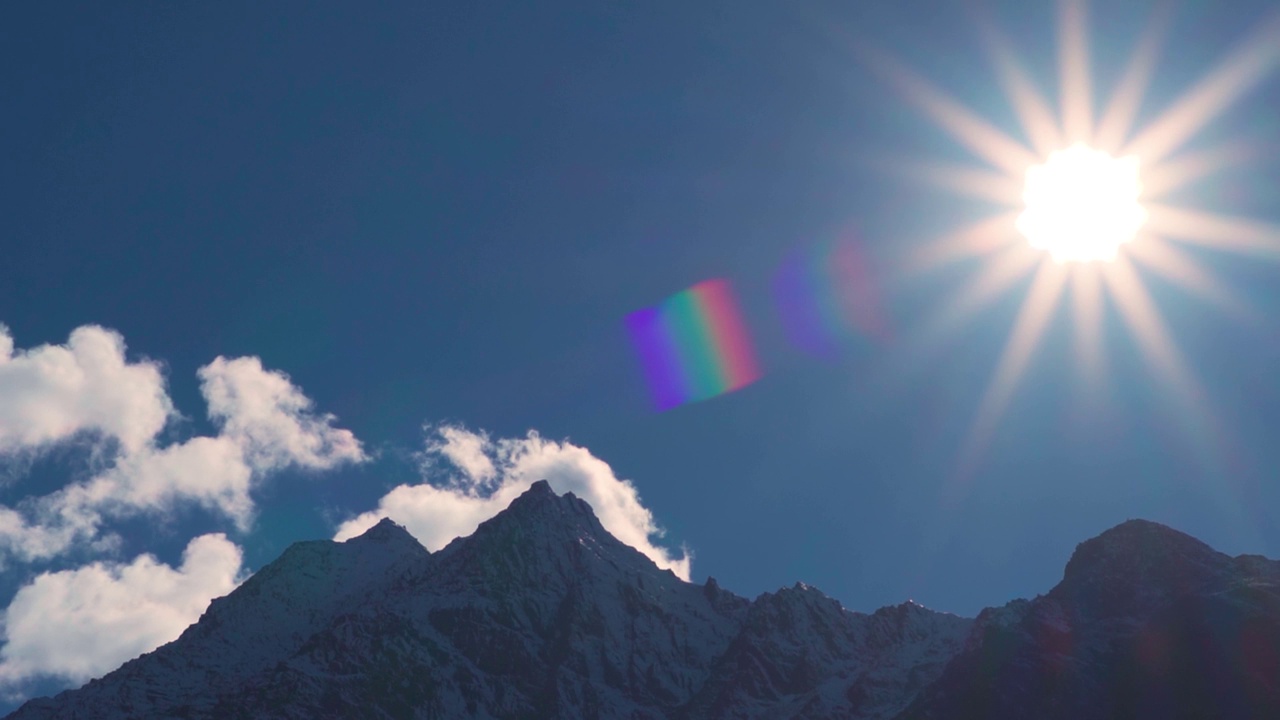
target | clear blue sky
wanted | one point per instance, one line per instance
(431, 212)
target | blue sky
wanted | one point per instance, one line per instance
(440, 216)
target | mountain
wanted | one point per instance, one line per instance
(1146, 623)
(541, 613)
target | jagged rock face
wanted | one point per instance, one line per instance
(1146, 623)
(543, 614)
(801, 655)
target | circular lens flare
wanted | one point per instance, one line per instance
(1082, 204)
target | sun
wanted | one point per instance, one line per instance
(1082, 204)
(1082, 216)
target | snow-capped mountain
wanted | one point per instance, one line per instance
(541, 613)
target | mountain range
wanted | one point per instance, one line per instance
(542, 613)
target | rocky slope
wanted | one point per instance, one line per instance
(541, 613)
(1146, 623)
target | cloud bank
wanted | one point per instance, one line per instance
(78, 624)
(54, 393)
(475, 477)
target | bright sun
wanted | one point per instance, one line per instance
(1070, 210)
(1082, 204)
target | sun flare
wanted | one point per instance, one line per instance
(1082, 204)
(1097, 225)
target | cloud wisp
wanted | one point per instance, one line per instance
(470, 477)
(88, 387)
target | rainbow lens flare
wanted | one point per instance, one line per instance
(827, 295)
(694, 345)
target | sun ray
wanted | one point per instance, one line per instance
(1032, 321)
(975, 182)
(1143, 319)
(981, 137)
(1207, 438)
(1117, 119)
(1218, 232)
(1090, 395)
(1230, 79)
(1073, 66)
(981, 238)
(999, 274)
(1033, 111)
(1086, 302)
(1172, 263)
(1177, 173)
(1139, 313)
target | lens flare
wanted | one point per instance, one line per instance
(1082, 204)
(694, 345)
(827, 296)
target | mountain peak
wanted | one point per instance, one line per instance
(1136, 528)
(1144, 556)
(540, 487)
(385, 532)
(384, 528)
(542, 534)
(1148, 622)
(541, 500)
(538, 497)
(1141, 538)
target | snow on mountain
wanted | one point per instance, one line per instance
(266, 618)
(541, 613)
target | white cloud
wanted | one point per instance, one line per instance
(54, 392)
(81, 623)
(49, 393)
(271, 419)
(468, 451)
(493, 473)
(76, 624)
(209, 471)
(30, 541)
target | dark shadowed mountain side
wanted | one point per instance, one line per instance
(541, 613)
(1147, 623)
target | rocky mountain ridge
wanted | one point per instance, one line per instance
(541, 613)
